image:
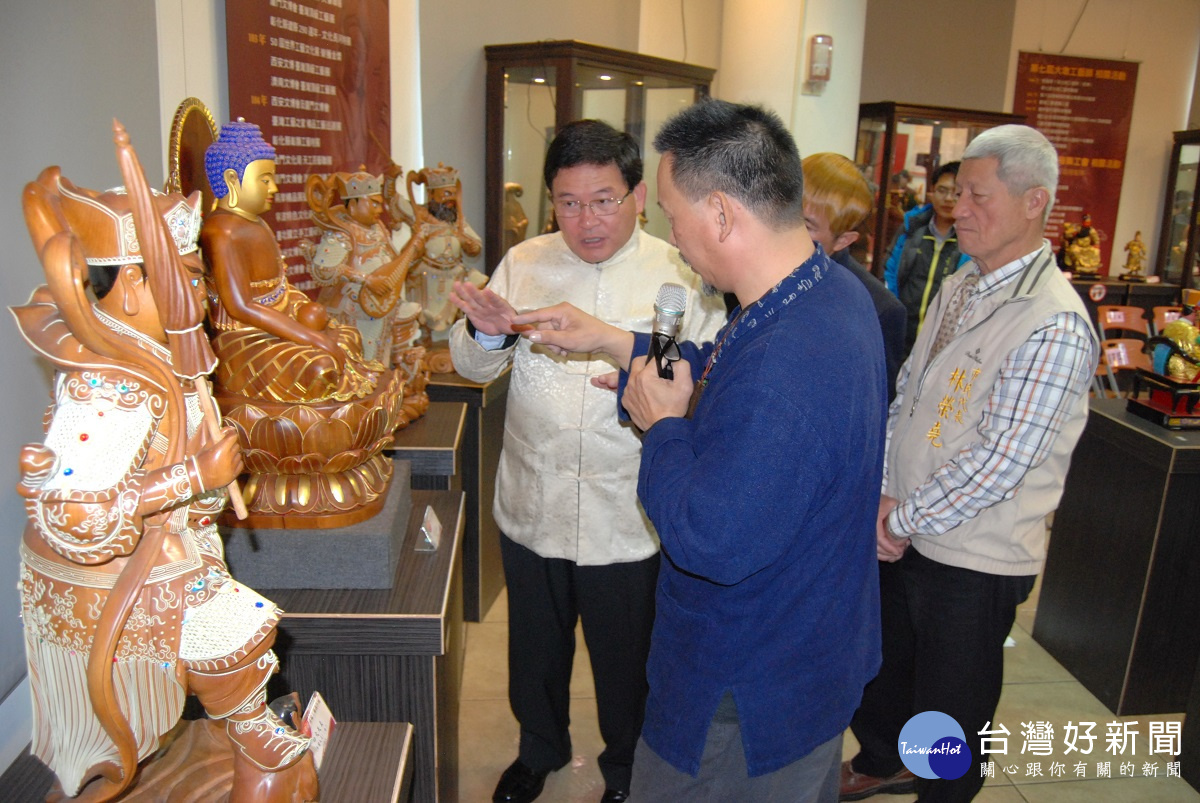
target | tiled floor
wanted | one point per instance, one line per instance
(1036, 688)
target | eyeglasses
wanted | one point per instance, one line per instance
(601, 208)
(945, 192)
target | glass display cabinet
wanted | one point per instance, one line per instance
(534, 89)
(899, 147)
(1178, 249)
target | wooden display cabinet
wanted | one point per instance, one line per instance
(1178, 249)
(898, 139)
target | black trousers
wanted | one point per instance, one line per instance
(546, 597)
(943, 650)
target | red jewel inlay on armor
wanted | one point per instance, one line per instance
(83, 436)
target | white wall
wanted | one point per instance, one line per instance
(939, 52)
(828, 121)
(1163, 36)
(681, 30)
(453, 69)
(1194, 114)
(759, 53)
(191, 60)
(69, 68)
(763, 59)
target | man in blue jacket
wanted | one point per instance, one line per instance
(762, 478)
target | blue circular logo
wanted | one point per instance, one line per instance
(932, 745)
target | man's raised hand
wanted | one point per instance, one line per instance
(488, 312)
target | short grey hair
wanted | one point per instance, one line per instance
(1026, 159)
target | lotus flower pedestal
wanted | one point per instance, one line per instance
(316, 464)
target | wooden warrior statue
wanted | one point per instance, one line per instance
(440, 238)
(126, 600)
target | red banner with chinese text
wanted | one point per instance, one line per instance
(315, 76)
(1083, 106)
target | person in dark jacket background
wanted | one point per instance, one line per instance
(926, 252)
(837, 198)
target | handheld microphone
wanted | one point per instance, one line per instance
(668, 310)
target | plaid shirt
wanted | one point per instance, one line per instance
(1024, 414)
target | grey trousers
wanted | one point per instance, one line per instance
(723, 777)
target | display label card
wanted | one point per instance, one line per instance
(431, 532)
(318, 724)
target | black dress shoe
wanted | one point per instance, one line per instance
(614, 796)
(519, 784)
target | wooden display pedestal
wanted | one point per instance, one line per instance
(369, 761)
(1121, 590)
(394, 654)
(433, 447)
(483, 436)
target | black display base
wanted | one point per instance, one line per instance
(362, 555)
(1164, 418)
(1169, 403)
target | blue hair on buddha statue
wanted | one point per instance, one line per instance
(238, 144)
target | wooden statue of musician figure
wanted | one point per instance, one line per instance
(361, 273)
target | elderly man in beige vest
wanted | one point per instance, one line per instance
(988, 409)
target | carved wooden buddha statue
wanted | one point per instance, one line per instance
(272, 341)
(312, 413)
